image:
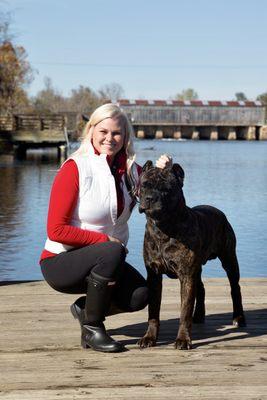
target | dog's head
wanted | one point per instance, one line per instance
(161, 190)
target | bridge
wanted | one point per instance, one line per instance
(210, 120)
(26, 131)
(159, 119)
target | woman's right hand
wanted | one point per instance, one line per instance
(113, 239)
(164, 161)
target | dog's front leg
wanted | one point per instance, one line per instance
(154, 283)
(188, 290)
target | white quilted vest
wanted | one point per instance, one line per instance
(96, 207)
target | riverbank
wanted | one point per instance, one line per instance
(41, 357)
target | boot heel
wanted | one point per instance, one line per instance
(84, 344)
(74, 311)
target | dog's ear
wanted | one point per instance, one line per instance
(147, 166)
(85, 118)
(178, 172)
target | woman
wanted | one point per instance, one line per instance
(91, 200)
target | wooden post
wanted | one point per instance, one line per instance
(177, 133)
(195, 134)
(140, 133)
(62, 152)
(214, 135)
(263, 133)
(159, 134)
(231, 134)
(21, 152)
(250, 133)
(6, 145)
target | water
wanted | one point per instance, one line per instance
(229, 175)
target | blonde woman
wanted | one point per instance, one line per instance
(91, 201)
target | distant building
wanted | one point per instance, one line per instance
(196, 119)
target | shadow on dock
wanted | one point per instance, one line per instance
(7, 283)
(216, 326)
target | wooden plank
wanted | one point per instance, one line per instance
(37, 122)
(53, 125)
(39, 136)
(41, 357)
(6, 123)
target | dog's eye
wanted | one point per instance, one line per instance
(165, 192)
(146, 185)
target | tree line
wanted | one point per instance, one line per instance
(16, 74)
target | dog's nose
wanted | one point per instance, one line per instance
(145, 203)
(141, 209)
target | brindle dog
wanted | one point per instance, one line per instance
(178, 241)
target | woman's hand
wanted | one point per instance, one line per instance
(113, 239)
(164, 161)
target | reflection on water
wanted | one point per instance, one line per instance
(229, 175)
(24, 194)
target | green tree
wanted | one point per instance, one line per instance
(263, 98)
(15, 74)
(15, 70)
(240, 96)
(187, 94)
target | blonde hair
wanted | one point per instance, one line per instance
(111, 110)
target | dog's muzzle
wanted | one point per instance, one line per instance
(142, 209)
(145, 203)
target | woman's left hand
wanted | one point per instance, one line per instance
(164, 161)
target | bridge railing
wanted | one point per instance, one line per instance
(32, 122)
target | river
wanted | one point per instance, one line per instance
(230, 175)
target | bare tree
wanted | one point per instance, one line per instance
(5, 34)
(49, 99)
(83, 100)
(111, 92)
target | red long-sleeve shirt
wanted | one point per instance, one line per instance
(63, 199)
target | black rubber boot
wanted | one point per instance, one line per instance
(77, 309)
(98, 300)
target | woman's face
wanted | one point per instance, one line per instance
(108, 136)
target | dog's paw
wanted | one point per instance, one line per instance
(239, 321)
(146, 341)
(183, 344)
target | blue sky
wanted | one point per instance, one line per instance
(154, 49)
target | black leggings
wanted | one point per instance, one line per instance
(67, 273)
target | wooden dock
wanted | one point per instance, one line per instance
(31, 131)
(41, 357)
